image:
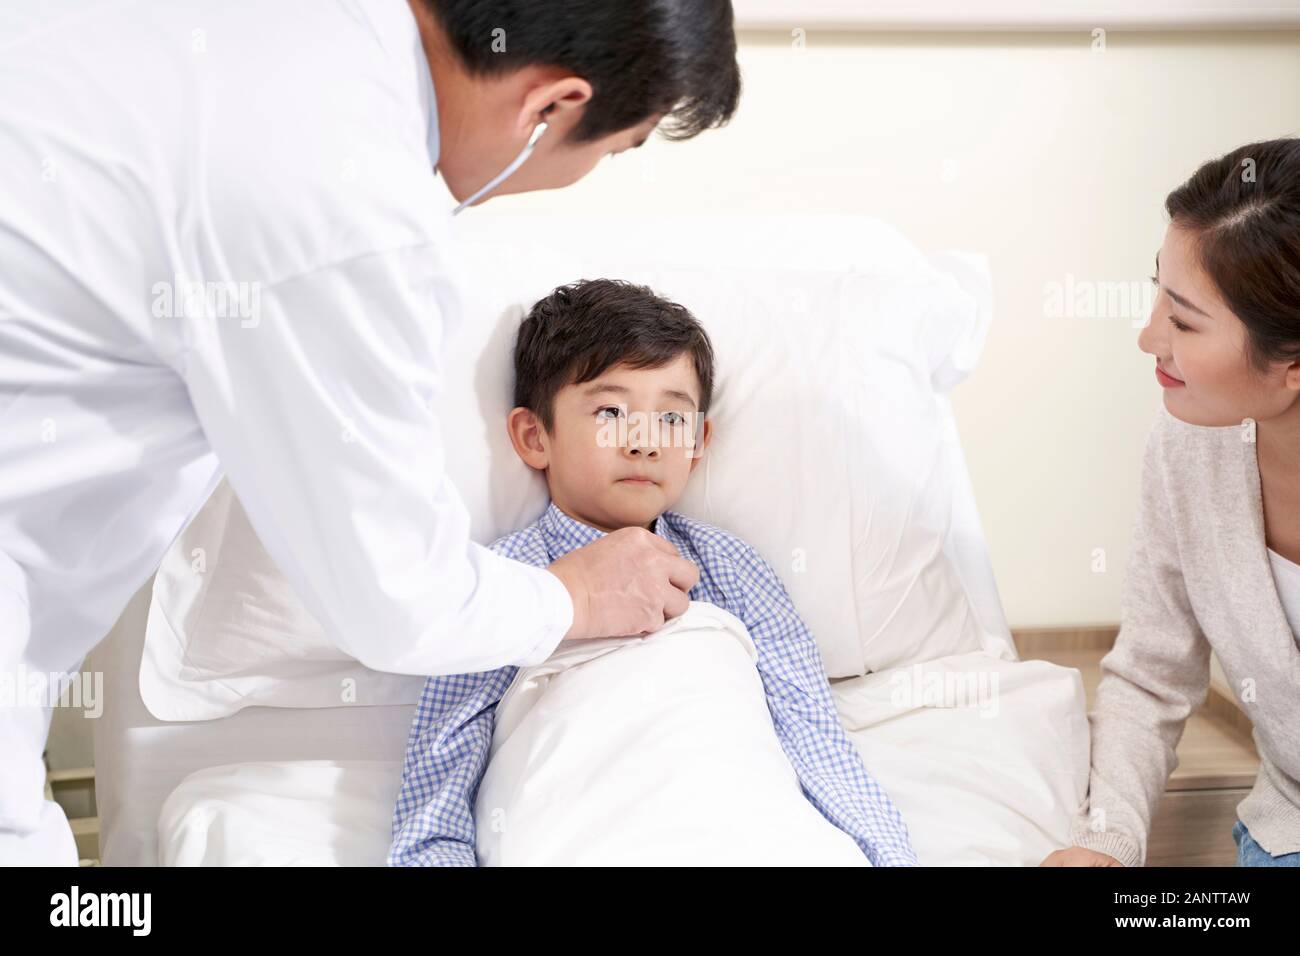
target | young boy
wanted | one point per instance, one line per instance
(612, 387)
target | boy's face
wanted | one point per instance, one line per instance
(622, 445)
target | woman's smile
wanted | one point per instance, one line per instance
(1167, 380)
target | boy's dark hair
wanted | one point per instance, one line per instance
(1244, 208)
(583, 329)
(642, 57)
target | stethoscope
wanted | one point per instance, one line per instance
(501, 176)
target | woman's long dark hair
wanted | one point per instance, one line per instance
(1244, 209)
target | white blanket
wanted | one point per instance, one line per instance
(648, 751)
(987, 759)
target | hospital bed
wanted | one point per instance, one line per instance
(989, 773)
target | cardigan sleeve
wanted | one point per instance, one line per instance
(1155, 677)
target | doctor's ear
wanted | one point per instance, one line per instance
(559, 102)
(529, 437)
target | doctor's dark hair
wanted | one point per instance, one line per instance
(675, 58)
(1244, 210)
(581, 330)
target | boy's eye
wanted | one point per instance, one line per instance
(618, 412)
(674, 418)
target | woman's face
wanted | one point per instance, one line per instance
(1200, 346)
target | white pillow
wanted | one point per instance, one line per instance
(226, 630)
(829, 454)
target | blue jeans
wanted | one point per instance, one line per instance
(1250, 853)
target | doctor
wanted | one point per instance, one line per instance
(222, 250)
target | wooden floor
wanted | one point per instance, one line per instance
(1217, 760)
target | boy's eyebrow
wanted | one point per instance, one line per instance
(602, 387)
(1185, 303)
(621, 390)
(674, 393)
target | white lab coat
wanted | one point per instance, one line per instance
(277, 158)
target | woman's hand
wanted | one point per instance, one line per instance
(1079, 856)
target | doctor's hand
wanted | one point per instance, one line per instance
(627, 582)
(1079, 856)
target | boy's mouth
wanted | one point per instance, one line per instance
(637, 480)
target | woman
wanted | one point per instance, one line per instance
(1216, 551)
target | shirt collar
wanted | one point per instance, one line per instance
(430, 98)
(562, 534)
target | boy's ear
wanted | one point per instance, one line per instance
(528, 437)
(706, 432)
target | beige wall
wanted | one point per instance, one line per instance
(1051, 157)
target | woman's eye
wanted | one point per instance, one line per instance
(673, 418)
(1180, 326)
(600, 412)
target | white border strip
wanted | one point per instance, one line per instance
(1017, 15)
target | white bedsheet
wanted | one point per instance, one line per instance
(987, 759)
(992, 777)
(140, 759)
(296, 813)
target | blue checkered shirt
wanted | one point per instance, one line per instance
(451, 736)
